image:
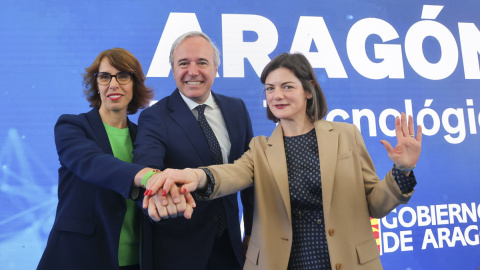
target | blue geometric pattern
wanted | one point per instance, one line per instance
(28, 206)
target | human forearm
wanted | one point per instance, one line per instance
(137, 181)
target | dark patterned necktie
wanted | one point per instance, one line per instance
(209, 135)
(217, 159)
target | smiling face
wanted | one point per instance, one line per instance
(286, 97)
(194, 68)
(115, 97)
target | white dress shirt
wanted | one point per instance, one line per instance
(215, 120)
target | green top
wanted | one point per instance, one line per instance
(128, 248)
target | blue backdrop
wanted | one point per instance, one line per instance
(373, 59)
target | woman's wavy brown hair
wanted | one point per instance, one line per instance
(122, 60)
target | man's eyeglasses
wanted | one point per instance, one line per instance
(104, 78)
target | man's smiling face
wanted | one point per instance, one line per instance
(194, 68)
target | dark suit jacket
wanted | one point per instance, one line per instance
(169, 136)
(92, 187)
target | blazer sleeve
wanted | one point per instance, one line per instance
(247, 195)
(150, 145)
(382, 196)
(150, 148)
(231, 178)
(79, 152)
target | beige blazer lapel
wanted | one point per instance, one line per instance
(277, 161)
(327, 141)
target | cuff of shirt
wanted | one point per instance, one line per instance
(210, 185)
(404, 182)
(134, 193)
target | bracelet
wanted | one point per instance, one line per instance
(405, 169)
(148, 175)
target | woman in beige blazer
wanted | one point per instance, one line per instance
(315, 183)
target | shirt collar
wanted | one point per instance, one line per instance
(210, 102)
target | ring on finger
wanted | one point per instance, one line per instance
(411, 135)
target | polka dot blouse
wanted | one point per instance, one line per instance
(309, 247)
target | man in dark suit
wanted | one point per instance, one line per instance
(174, 133)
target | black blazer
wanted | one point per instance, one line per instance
(92, 187)
(169, 137)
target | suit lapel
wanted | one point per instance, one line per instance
(181, 114)
(132, 129)
(233, 125)
(327, 149)
(96, 124)
(277, 161)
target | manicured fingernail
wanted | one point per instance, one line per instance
(381, 142)
(184, 190)
(145, 193)
(164, 202)
(164, 193)
(150, 192)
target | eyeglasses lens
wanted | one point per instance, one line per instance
(104, 78)
(123, 77)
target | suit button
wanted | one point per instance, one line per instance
(331, 232)
(338, 266)
(319, 221)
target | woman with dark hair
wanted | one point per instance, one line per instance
(315, 184)
(97, 224)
